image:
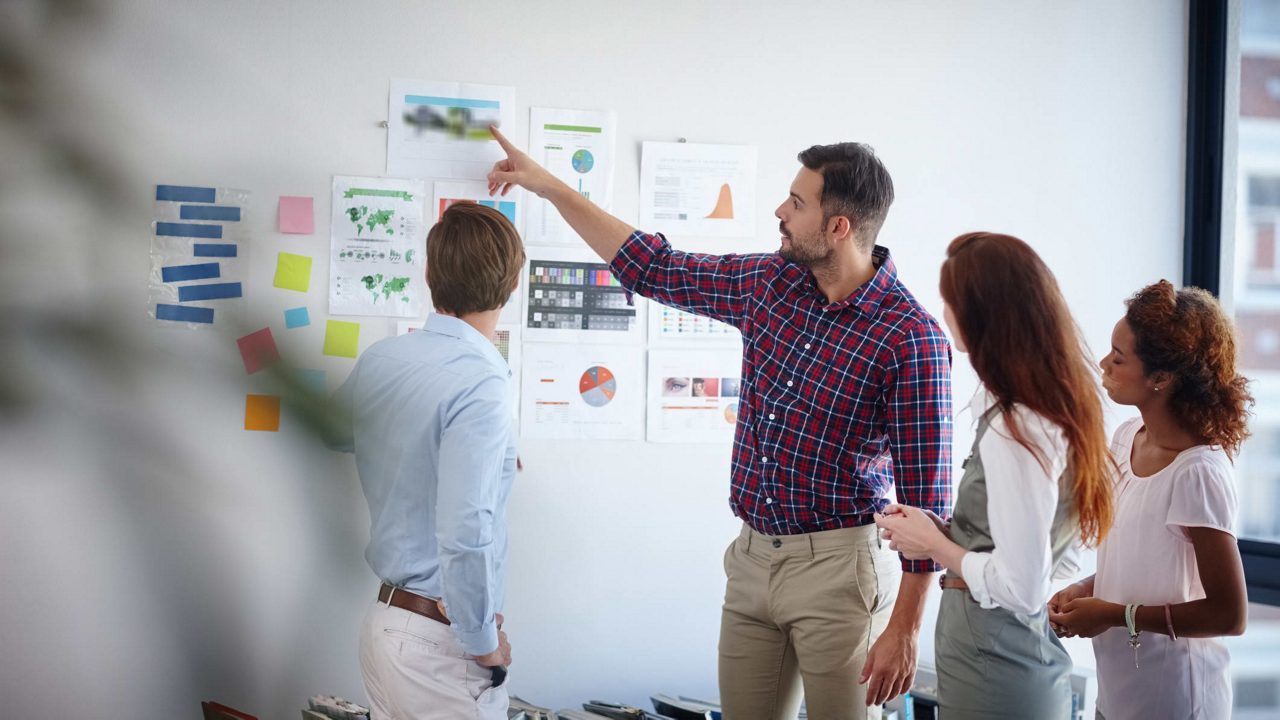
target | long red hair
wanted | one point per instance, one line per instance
(1027, 349)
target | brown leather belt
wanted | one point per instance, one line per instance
(405, 600)
(951, 582)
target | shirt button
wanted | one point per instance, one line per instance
(772, 416)
(790, 383)
(764, 459)
(806, 346)
(768, 501)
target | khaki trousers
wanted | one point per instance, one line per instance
(800, 613)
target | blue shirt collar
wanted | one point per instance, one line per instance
(460, 329)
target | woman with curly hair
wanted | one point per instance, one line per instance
(1169, 577)
(1037, 481)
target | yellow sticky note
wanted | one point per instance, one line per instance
(293, 272)
(341, 338)
(262, 412)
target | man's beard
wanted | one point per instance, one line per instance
(805, 250)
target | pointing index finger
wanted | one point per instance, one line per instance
(502, 140)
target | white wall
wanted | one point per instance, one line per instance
(154, 552)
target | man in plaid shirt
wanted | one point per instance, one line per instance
(845, 396)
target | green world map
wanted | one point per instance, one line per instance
(387, 287)
(364, 219)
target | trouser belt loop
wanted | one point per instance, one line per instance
(809, 537)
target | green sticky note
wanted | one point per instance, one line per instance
(341, 338)
(293, 272)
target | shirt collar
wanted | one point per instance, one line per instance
(871, 295)
(980, 404)
(460, 329)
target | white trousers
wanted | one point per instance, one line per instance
(414, 669)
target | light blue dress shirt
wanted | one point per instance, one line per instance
(431, 425)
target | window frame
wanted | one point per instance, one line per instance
(1213, 28)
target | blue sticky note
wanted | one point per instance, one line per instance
(178, 273)
(313, 380)
(183, 193)
(296, 317)
(212, 291)
(214, 250)
(229, 213)
(180, 313)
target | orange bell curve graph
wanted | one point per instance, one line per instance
(724, 205)
(597, 386)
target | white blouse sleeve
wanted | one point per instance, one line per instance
(1204, 494)
(1022, 499)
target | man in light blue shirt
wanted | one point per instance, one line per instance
(431, 427)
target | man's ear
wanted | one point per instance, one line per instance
(840, 227)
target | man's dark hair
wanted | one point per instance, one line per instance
(855, 184)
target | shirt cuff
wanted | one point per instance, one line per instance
(919, 566)
(478, 642)
(973, 568)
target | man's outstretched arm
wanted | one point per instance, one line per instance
(602, 231)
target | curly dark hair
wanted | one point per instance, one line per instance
(1186, 333)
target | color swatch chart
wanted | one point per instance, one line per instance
(577, 296)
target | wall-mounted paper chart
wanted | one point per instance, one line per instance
(577, 146)
(576, 392)
(571, 296)
(672, 326)
(441, 129)
(693, 395)
(376, 247)
(697, 190)
(198, 249)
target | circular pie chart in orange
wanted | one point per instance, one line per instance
(597, 386)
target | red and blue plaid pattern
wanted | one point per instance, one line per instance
(838, 400)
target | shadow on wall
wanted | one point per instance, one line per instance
(135, 577)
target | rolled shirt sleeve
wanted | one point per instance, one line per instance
(920, 425)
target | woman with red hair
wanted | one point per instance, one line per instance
(1169, 576)
(1038, 478)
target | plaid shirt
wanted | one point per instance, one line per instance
(838, 400)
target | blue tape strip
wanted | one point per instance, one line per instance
(183, 193)
(183, 314)
(209, 212)
(212, 291)
(178, 273)
(214, 250)
(188, 230)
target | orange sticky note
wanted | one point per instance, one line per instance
(262, 412)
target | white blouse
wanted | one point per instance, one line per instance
(1022, 499)
(1148, 558)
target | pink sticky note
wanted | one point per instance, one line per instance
(297, 215)
(258, 350)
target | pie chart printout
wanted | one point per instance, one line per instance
(597, 386)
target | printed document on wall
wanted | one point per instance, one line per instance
(571, 296)
(441, 129)
(377, 241)
(695, 190)
(199, 254)
(693, 395)
(577, 146)
(673, 326)
(571, 392)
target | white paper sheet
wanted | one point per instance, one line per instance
(670, 326)
(697, 190)
(577, 146)
(570, 296)
(591, 392)
(693, 395)
(440, 129)
(377, 247)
